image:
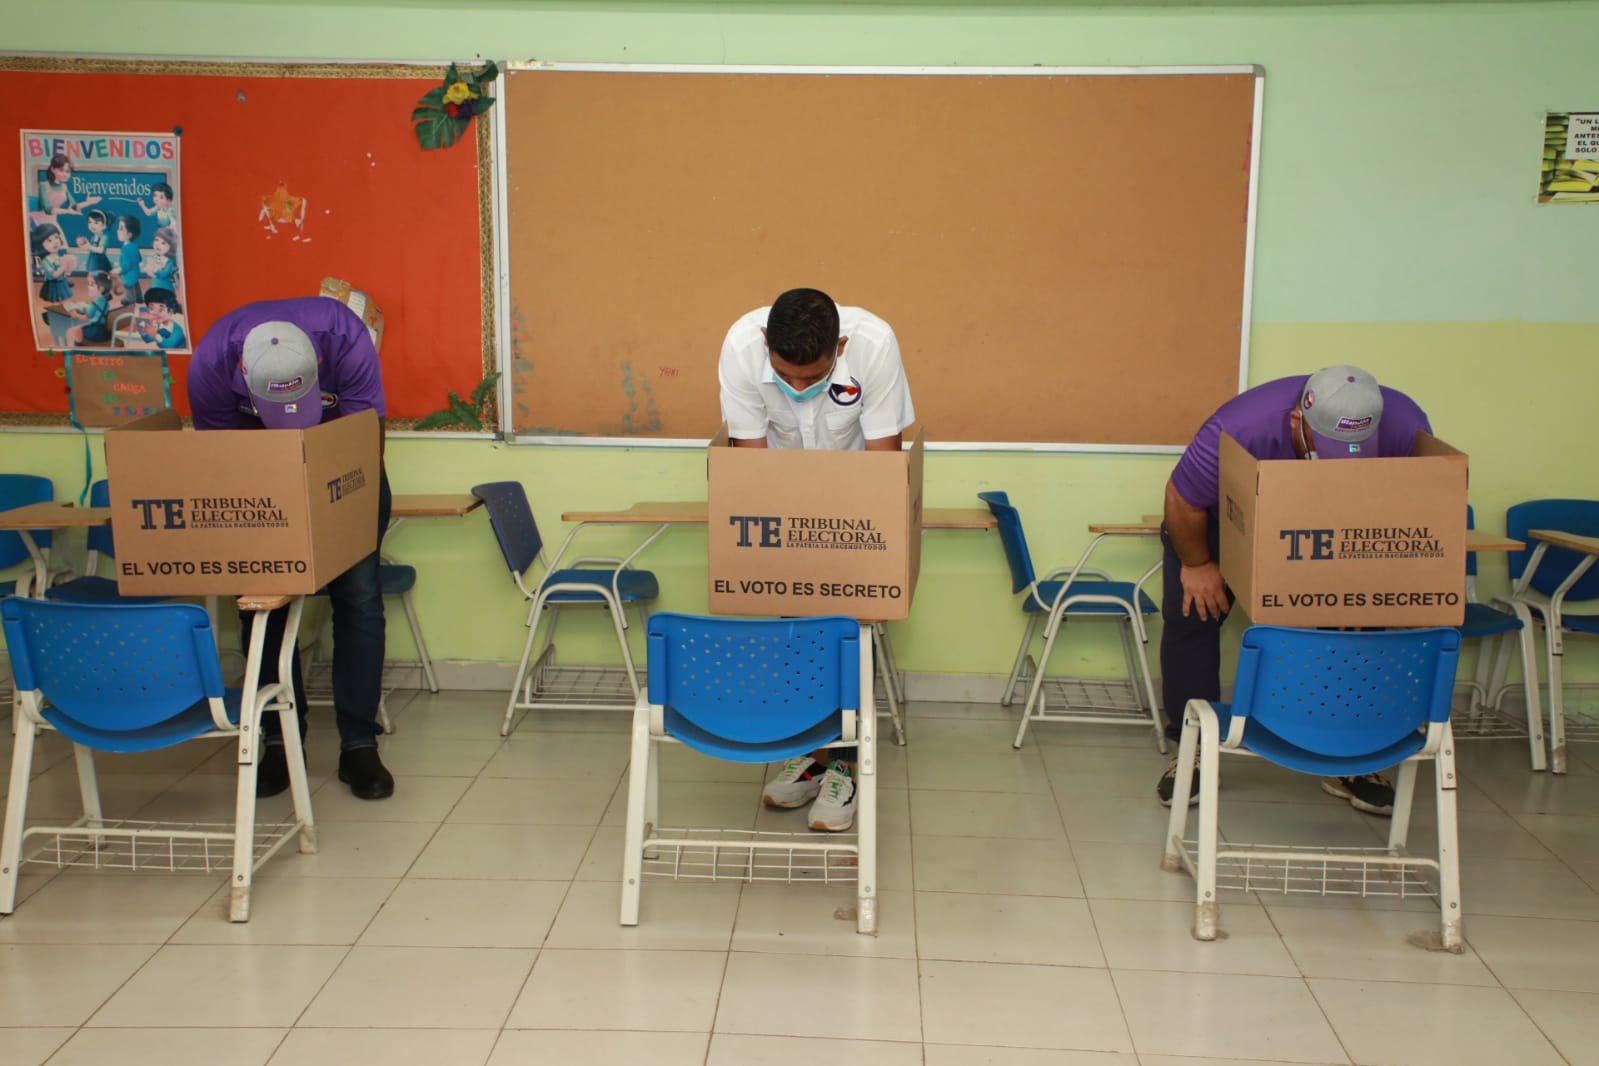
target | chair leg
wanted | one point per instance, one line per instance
(1148, 697)
(1529, 688)
(640, 767)
(1453, 930)
(1182, 785)
(1555, 643)
(619, 624)
(299, 787)
(866, 801)
(1021, 660)
(16, 810)
(244, 820)
(1035, 690)
(521, 667)
(885, 660)
(1404, 803)
(1206, 906)
(421, 645)
(88, 785)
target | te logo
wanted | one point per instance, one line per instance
(1319, 540)
(770, 527)
(170, 513)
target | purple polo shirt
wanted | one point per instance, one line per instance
(347, 364)
(1258, 419)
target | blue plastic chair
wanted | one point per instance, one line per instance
(1495, 628)
(593, 581)
(1076, 592)
(90, 587)
(132, 678)
(1332, 704)
(1545, 580)
(753, 691)
(19, 490)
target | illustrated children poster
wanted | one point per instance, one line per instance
(103, 240)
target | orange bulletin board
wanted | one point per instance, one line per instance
(1062, 254)
(406, 226)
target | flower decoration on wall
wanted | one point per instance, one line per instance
(443, 115)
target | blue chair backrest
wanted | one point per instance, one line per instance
(1339, 693)
(19, 490)
(112, 670)
(754, 689)
(1471, 557)
(512, 521)
(1012, 537)
(1568, 516)
(100, 536)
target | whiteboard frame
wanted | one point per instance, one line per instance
(502, 249)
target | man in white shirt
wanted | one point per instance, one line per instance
(806, 373)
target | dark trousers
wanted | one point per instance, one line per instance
(1190, 646)
(359, 643)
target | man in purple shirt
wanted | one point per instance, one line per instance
(292, 364)
(1337, 413)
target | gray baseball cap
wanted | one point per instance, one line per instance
(279, 367)
(1342, 408)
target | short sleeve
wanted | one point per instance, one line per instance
(888, 408)
(743, 407)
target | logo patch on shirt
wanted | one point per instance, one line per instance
(845, 395)
(329, 400)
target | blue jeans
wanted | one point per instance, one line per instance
(1190, 646)
(359, 642)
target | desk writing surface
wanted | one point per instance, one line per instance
(426, 505)
(694, 512)
(53, 514)
(1476, 539)
(1561, 539)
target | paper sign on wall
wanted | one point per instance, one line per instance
(108, 390)
(1570, 170)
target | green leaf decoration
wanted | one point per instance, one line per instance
(481, 393)
(436, 126)
(464, 413)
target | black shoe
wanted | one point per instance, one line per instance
(363, 771)
(1168, 784)
(272, 772)
(1369, 792)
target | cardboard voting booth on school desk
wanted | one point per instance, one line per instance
(814, 532)
(229, 511)
(1347, 542)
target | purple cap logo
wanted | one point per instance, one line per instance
(285, 386)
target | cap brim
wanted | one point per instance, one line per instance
(301, 414)
(1333, 448)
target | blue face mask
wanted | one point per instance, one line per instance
(810, 392)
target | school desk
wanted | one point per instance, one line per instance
(1554, 628)
(665, 514)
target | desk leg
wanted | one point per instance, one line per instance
(866, 806)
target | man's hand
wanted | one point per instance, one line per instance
(1204, 591)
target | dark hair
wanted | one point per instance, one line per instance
(95, 212)
(102, 281)
(165, 297)
(163, 188)
(42, 234)
(802, 326)
(57, 160)
(132, 225)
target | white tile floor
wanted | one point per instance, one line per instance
(472, 919)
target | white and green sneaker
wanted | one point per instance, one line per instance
(834, 809)
(795, 785)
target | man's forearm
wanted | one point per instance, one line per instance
(1186, 527)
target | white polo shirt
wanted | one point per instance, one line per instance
(866, 398)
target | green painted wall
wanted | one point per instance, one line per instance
(1397, 229)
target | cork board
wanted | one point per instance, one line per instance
(1063, 255)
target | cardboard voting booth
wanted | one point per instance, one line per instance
(231, 512)
(1348, 542)
(814, 532)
